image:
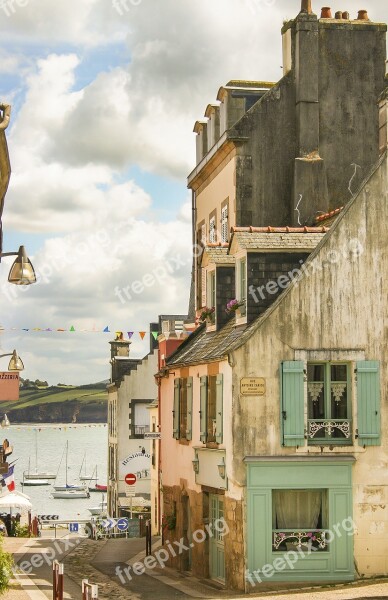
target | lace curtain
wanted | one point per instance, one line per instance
(296, 509)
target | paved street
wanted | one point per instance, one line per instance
(97, 561)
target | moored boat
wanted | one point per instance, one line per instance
(71, 494)
(35, 482)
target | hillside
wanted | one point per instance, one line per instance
(59, 404)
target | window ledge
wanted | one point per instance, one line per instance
(241, 320)
(210, 328)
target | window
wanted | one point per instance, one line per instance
(328, 403)
(212, 230)
(211, 289)
(183, 408)
(299, 520)
(241, 291)
(224, 224)
(140, 418)
(328, 408)
(211, 412)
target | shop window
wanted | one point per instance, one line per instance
(299, 520)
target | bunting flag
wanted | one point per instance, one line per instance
(55, 426)
(72, 329)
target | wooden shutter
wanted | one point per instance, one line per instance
(368, 402)
(189, 392)
(292, 401)
(175, 412)
(219, 408)
(203, 409)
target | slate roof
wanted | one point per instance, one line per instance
(274, 240)
(200, 346)
(218, 254)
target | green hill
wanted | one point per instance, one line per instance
(59, 404)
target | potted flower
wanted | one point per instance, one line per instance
(235, 306)
(207, 314)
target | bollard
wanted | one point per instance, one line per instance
(89, 590)
(57, 580)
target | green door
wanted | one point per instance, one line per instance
(217, 552)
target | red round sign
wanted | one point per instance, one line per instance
(130, 479)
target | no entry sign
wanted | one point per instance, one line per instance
(130, 479)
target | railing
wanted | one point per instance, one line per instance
(327, 427)
(141, 429)
(290, 539)
(57, 580)
(89, 590)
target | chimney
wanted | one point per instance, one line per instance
(338, 15)
(306, 7)
(326, 13)
(346, 15)
(362, 15)
(119, 353)
(310, 182)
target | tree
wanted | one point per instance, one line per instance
(6, 564)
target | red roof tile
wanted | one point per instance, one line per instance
(329, 214)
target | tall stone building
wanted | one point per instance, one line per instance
(275, 410)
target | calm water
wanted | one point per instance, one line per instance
(51, 441)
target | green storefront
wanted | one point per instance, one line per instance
(299, 519)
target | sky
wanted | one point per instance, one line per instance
(104, 97)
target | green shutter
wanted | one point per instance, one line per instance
(368, 403)
(219, 409)
(292, 398)
(175, 412)
(189, 427)
(203, 409)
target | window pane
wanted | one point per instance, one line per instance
(316, 391)
(211, 410)
(339, 394)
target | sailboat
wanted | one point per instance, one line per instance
(84, 476)
(97, 487)
(33, 481)
(36, 475)
(68, 491)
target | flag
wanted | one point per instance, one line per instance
(9, 480)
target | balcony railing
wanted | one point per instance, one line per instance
(141, 429)
(290, 539)
(334, 429)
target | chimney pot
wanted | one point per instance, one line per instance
(306, 7)
(326, 13)
(338, 14)
(363, 15)
(346, 15)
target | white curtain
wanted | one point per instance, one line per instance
(297, 509)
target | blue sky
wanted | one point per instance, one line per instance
(101, 143)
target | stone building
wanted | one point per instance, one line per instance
(275, 412)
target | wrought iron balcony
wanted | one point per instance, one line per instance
(329, 428)
(287, 539)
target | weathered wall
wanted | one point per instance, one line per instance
(340, 303)
(264, 171)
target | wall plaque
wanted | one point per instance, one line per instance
(252, 386)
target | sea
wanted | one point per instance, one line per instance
(43, 447)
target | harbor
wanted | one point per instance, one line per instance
(45, 458)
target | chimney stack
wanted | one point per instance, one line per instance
(362, 15)
(326, 13)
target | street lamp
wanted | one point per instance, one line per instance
(16, 363)
(22, 272)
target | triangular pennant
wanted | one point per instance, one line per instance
(130, 334)
(25, 330)
(72, 328)
(36, 329)
(61, 329)
(48, 329)
(155, 334)
(106, 330)
(142, 334)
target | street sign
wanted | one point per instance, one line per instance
(153, 435)
(108, 523)
(130, 479)
(73, 527)
(122, 524)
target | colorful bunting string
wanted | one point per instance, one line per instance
(72, 329)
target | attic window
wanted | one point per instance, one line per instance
(224, 224)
